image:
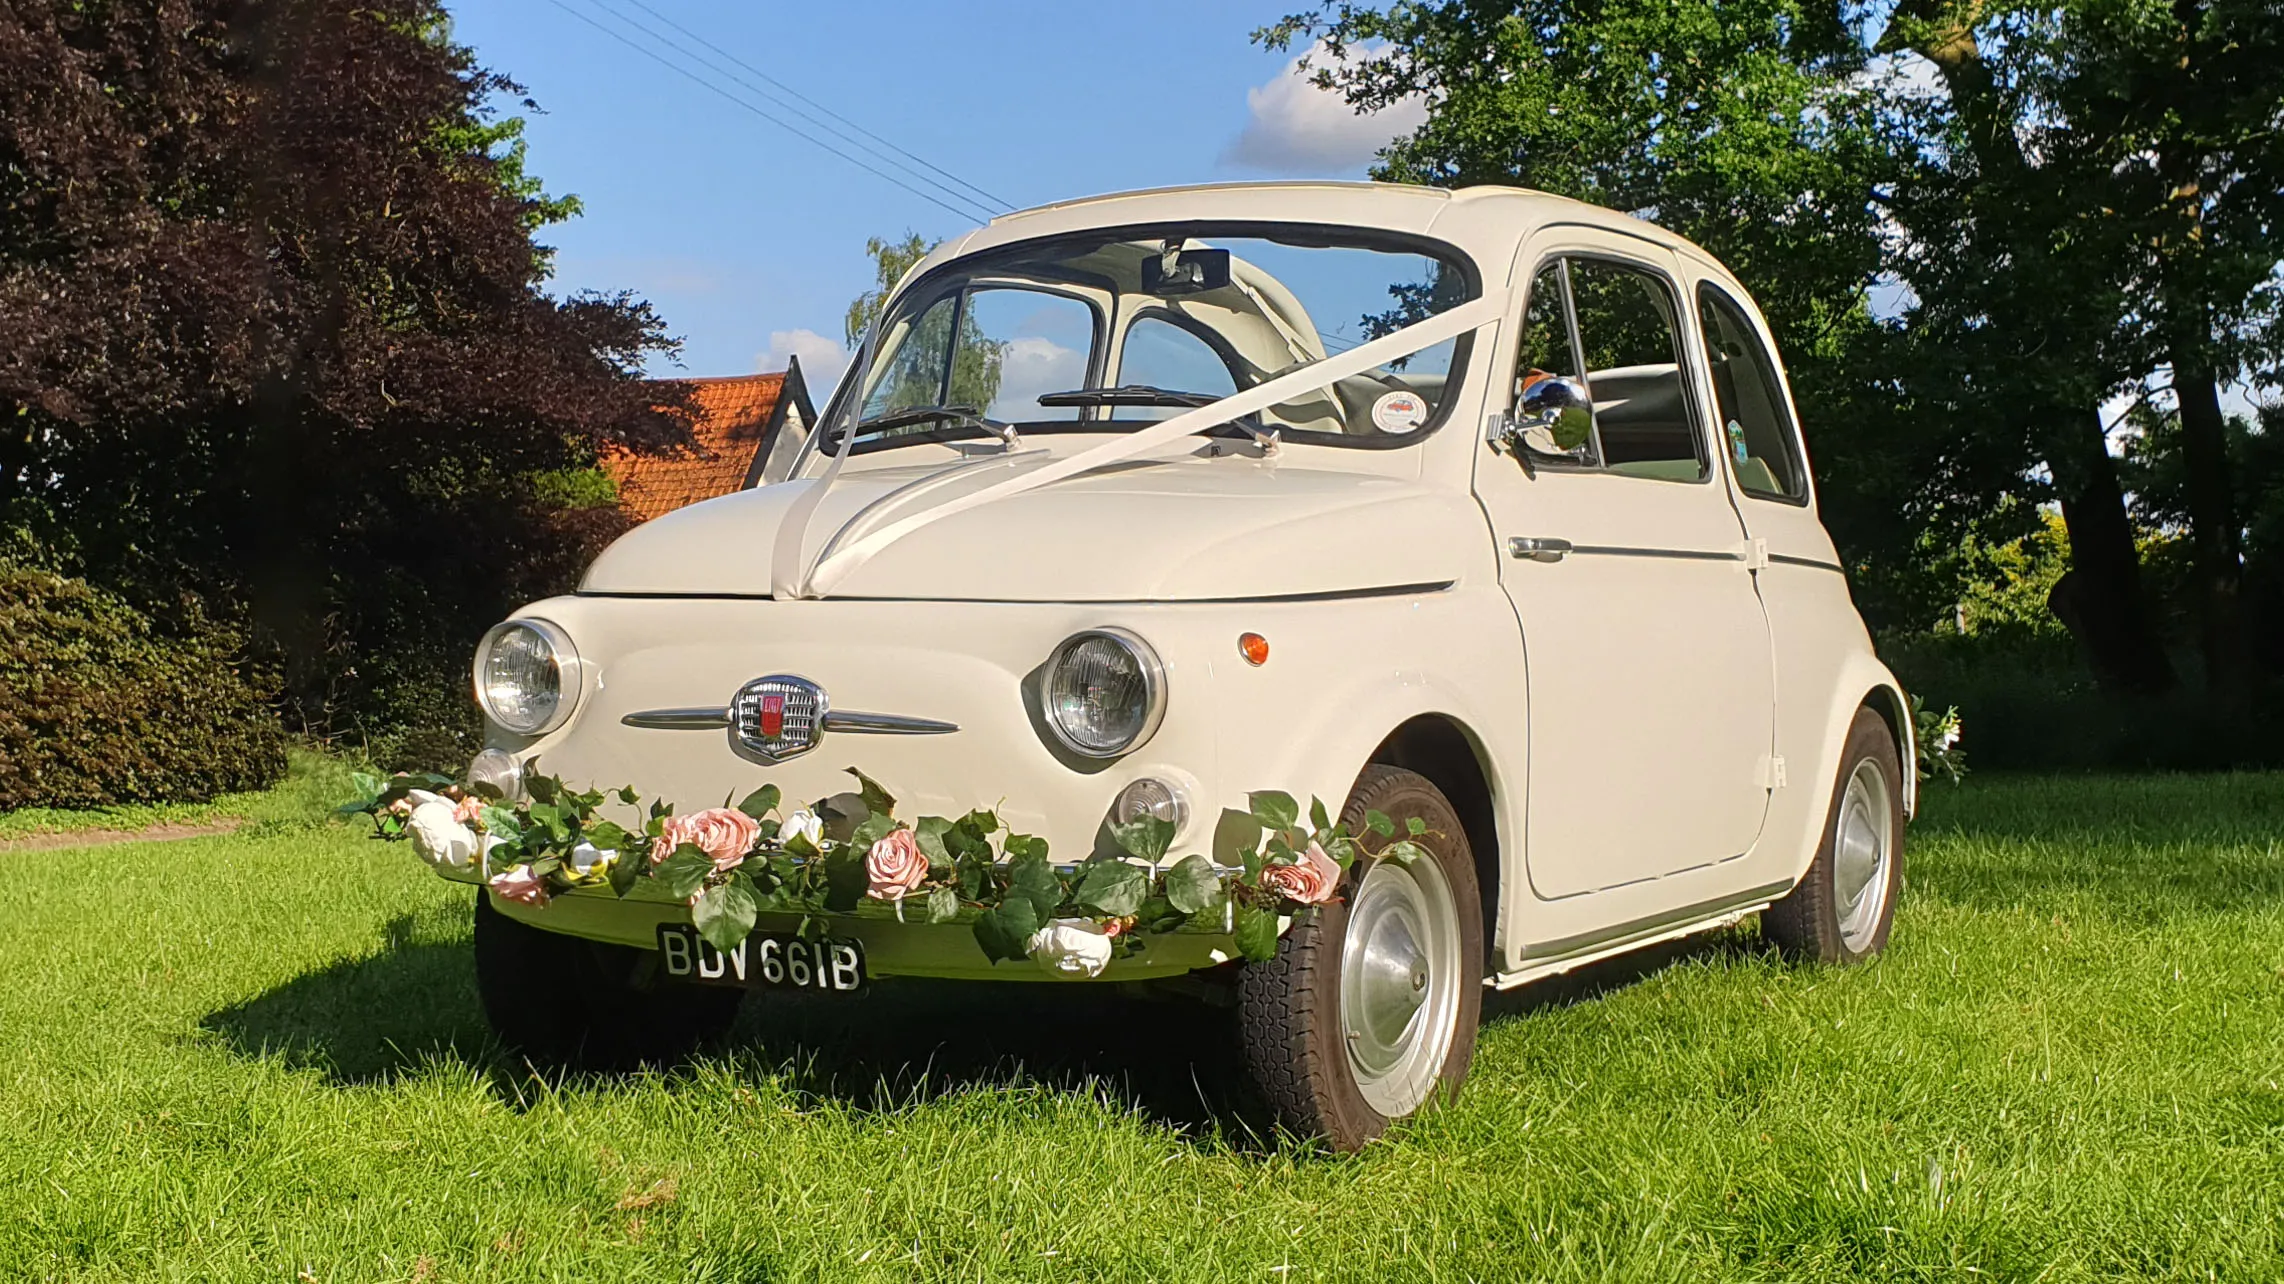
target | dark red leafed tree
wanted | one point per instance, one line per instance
(274, 328)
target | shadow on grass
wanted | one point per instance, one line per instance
(1173, 1058)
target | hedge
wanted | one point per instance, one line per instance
(98, 708)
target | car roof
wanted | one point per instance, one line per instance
(1487, 223)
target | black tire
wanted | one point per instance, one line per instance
(1289, 1010)
(569, 1003)
(1807, 925)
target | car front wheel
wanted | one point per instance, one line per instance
(1368, 1013)
(566, 1002)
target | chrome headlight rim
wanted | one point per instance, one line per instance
(1153, 673)
(567, 674)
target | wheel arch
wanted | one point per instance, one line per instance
(1886, 699)
(1450, 756)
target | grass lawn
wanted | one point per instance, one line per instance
(259, 1057)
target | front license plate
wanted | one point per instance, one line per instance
(764, 960)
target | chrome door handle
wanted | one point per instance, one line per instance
(1538, 549)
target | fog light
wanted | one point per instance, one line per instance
(1148, 797)
(499, 769)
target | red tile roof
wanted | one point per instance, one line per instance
(731, 415)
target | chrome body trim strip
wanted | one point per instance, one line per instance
(1682, 554)
(713, 719)
(718, 718)
(1810, 562)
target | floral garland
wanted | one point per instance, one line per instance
(1937, 735)
(733, 863)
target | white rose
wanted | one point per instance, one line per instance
(1071, 947)
(1950, 736)
(441, 839)
(587, 863)
(804, 824)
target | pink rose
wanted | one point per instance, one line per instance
(522, 886)
(723, 833)
(895, 865)
(1307, 881)
(469, 810)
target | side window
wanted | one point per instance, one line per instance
(1757, 432)
(1161, 354)
(1628, 334)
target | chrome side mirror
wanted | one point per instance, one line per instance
(1557, 417)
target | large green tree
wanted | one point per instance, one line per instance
(2007, 206)
(274, 328)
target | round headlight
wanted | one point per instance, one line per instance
(525, 676)
(1104, 692)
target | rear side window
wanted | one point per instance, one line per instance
(1755, 428)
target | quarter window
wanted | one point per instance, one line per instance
(1756, 430)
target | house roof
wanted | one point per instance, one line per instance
(732, 417)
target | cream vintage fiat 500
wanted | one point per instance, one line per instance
(1481, 514)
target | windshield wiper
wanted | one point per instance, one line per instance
(1143, 394)
(1131, 394)
(910, 415)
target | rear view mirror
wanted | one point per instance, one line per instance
(1185, 272)
(1558, 416)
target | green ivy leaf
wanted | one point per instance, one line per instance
(628, 796)
(1193, 886)
(1317, 816)
(1031, 878)
(683, 872)
(943, 905)
(1378, 823)
(1158, 915)
(876, 826)
(725, 912)
(760, 802)
(929, 831)
(1403, 851)
(877, 800)
(503, 823)
(1256, 934)
(1112, 887)
(1414, 826)
(845, 880)
(1005, 930)
(541, 788)
(1147, 838)
(1274, 809)
(974, 874)
(842, 813)
(625, 870)
(982, 821)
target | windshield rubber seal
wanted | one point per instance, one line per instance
(1303, 235)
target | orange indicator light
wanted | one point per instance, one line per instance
(1253, 647)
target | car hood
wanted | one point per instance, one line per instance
(1190, 529)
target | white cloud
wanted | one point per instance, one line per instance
(1296, 128)
(1031, 366)
(822, 359)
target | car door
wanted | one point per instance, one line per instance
(1649, 669)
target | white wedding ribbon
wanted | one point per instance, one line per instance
(835, 565)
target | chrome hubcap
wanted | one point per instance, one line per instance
(1399, 984)
(1861, 852)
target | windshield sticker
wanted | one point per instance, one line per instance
(1399, 412)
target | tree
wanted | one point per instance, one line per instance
(890, 261)
(273, 326)
(2178, 102)
(916, 374)
(1782, 137)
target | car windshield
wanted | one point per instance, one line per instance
(1106, 331)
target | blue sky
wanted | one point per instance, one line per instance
(750, 241)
